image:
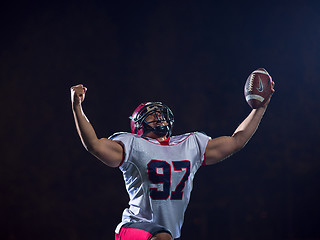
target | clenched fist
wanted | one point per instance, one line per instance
(77, 94)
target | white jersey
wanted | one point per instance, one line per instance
(159, 175)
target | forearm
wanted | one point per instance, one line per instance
(84, 128)
(249, 126)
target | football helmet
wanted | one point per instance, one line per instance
(141, 127)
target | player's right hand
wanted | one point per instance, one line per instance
(77, 94)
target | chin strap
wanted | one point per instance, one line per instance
(160, 131)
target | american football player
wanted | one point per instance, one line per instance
(158, 168)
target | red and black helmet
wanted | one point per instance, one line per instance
(140, 127)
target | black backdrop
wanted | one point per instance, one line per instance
(194, 56)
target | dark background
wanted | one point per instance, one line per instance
(195, 56)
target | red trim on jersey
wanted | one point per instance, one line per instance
(123, 156)
(150, 140)
(204, 160)
(165, 142)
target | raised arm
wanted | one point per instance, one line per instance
(108, 151)
(223, 147)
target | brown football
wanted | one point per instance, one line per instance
(258, 88)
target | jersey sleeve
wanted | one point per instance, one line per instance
(202, 140)
(126, 140)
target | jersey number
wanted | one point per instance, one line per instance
(160, 173)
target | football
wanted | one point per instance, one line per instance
(258, 88)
